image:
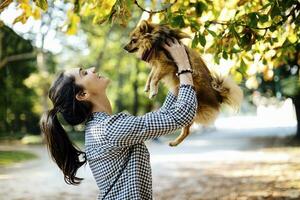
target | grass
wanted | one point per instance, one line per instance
(11, 157)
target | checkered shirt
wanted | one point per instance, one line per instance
(108, 138)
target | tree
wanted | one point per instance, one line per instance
(16, 95)
(260, 36)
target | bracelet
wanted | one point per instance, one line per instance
(184, 71)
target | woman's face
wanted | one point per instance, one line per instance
(92, 82)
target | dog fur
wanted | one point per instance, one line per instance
(212, 89)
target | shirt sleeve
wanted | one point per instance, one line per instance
(169, 101)
(125, 130)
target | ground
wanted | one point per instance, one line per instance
(222, 164)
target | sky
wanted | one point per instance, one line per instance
(53, 43)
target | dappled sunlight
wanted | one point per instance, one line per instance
(222, 156)
(5, 176)
(246, 154)
(266, 174)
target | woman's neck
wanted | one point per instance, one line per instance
(102, 104)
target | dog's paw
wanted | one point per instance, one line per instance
(152, 95)
(173, 144)
(146, 89)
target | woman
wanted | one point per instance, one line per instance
(114, 143)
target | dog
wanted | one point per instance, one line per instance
(211, 88)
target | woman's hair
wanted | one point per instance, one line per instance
(62, 93)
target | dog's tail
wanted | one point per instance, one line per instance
(229, 91)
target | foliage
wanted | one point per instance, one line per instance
(258, 35)
(13, 116)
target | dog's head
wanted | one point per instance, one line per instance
(147, 37)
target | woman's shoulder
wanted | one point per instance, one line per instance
(99, 122)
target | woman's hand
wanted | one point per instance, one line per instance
(180, 56)
(177, 51)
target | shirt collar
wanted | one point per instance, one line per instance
(98, 115)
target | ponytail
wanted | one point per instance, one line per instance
(62, 150)
(66, 155)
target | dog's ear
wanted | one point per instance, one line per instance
(178, 34)
(145, 26)
(182, 35)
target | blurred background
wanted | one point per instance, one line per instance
(250, 154)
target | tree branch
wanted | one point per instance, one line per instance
(154, 11)
(297, 7)
(17, 57)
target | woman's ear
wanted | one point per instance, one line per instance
(82, 96)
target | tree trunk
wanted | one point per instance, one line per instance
(120, 79)
(135, 90)
(40, 58)
(5, 124)
(296, 101)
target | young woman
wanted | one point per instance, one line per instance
(114, 143)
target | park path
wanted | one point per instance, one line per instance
(197, 169)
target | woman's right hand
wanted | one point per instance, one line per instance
(178, 52)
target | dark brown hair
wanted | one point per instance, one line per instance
(62, 93)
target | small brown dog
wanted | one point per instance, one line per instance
(212, 90)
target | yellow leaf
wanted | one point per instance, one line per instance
(71, 30)
(73, 20)
(292, 38)
(27, 9)
(43, 4)
(103, 10)
(36, 13)
(22, 18)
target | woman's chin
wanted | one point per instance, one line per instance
(107, 80)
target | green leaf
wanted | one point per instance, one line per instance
(265, 6)
(76, 6)
(217, 58)
(200, 7)
(212, 33)
(43, 4)
(194, 25)
(265, 62)
(195, 41)
(233, 31)
(243, 67)
(225, 55)
(253, 19)
(234, 50)
(272, 28)
(275, 11)
(263, 18)
(202, 39)
(245, 41)
(178, 21)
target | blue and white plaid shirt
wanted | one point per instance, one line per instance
(108, 138)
